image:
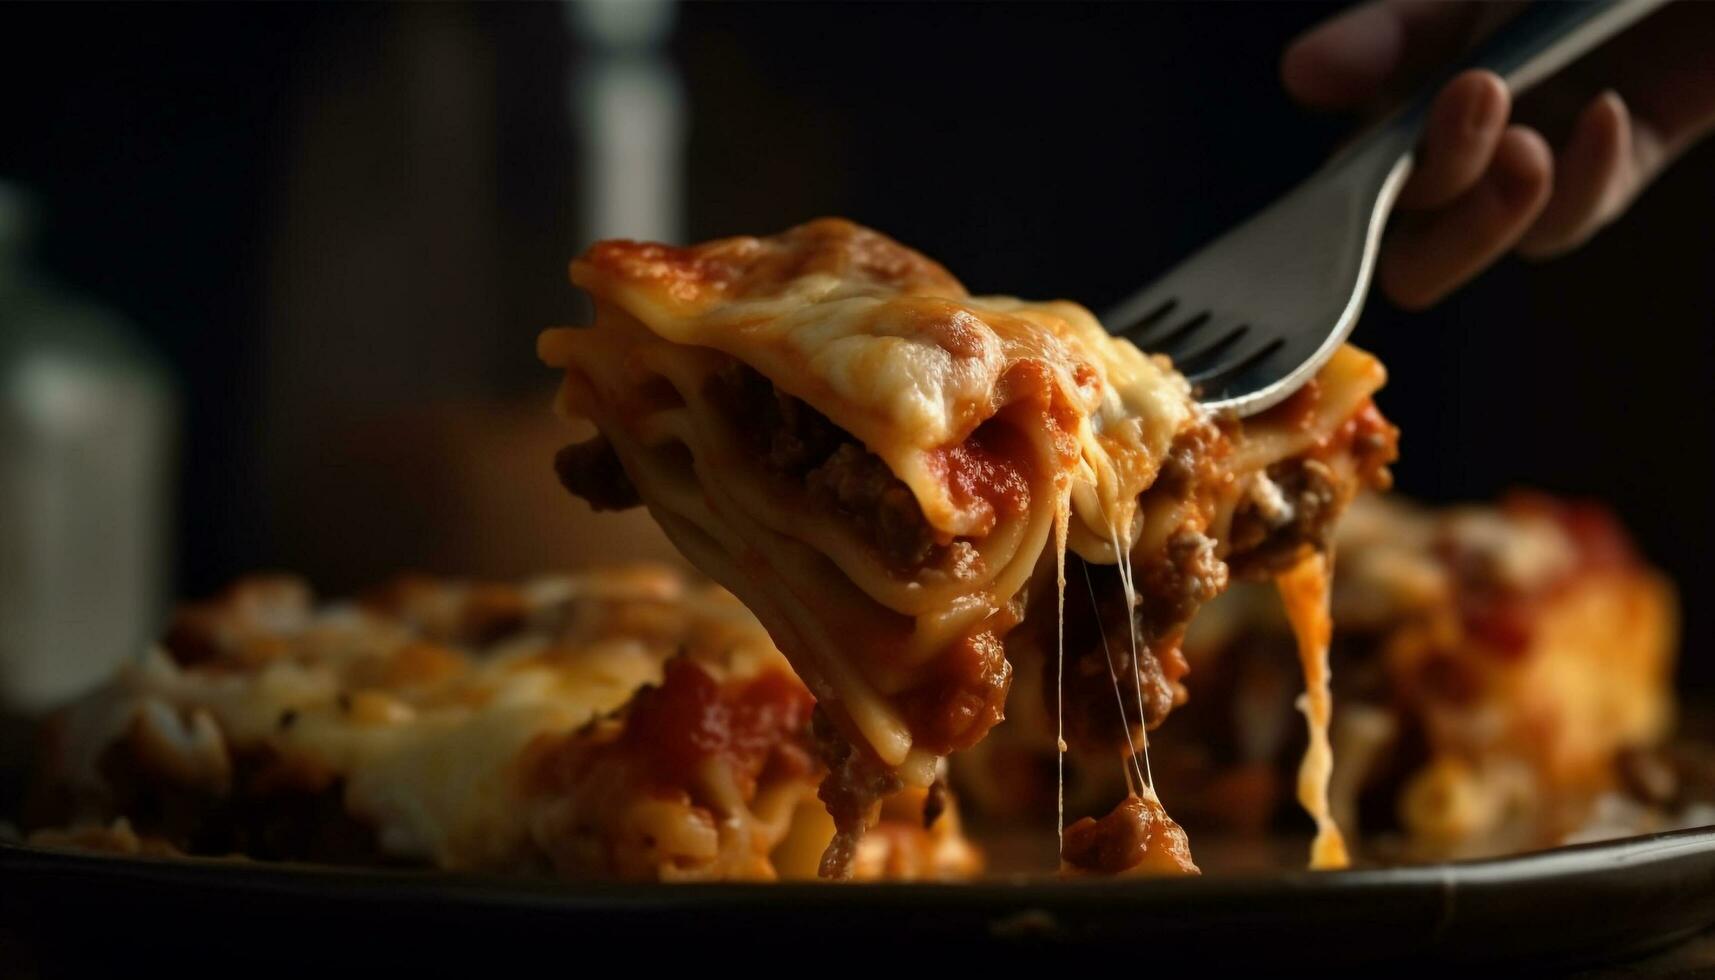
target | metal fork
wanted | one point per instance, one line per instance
(1254, 314)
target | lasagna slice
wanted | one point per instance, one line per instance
(619, 723)
(1504, 676)
(890, 472)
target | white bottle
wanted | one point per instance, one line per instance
(86, 423)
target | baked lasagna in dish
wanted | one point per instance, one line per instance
(915, 490)
(619, 723)
(1503, 678)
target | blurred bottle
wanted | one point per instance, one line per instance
(628, 113)
(86, 416)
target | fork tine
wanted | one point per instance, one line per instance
(1157, 313)
(1209, 353)
(1165, 343)
(1227, 367)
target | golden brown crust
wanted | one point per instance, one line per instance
(1495, 667)
(890, 472)
(747, 267)
(826, 422)
(618, 723)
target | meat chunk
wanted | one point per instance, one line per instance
(1136, 837)
(1292, 515)
(795, 442)
(861, 485)
(852, 791)
(799, 437)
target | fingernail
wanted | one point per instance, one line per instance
(1486, 110)
(1615, 106)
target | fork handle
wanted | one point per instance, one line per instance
(1548, 35)
(1545, 37)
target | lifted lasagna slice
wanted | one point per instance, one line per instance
(889, 472)
(614, 724)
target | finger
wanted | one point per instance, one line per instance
(1343, 61)
(1430, 254)
(1593, 179)
(1355, 57)
(1465, 122)
(1664, 68)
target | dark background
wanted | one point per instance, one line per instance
(326, 215)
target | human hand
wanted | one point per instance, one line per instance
(1485, 184)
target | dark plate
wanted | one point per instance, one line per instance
(1569, 907)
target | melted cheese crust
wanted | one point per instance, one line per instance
(471, 726)
(424, 734)
(1537, 649)
(892, 349)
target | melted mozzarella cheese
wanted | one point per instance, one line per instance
(433, 769)
(907, 363)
